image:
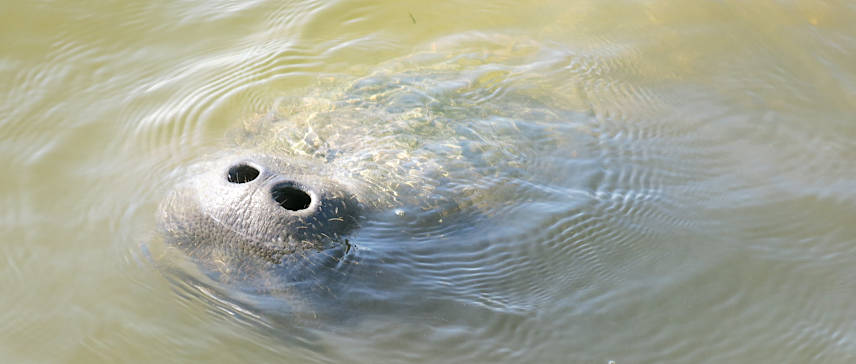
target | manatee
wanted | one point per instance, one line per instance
(427, 146)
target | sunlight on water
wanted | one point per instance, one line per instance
(550, 182)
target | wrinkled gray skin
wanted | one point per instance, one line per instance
(245, 214)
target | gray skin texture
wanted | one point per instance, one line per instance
(245, 214)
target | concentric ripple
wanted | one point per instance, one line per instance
(628, 182)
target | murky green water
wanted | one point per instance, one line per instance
(685, 192)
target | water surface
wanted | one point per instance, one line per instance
(682, 190)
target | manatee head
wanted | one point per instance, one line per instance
(240, 215)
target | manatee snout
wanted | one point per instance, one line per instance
(257, 209)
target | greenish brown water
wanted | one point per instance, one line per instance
(690, 197)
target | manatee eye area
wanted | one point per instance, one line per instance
(290, 197)
(242, 173)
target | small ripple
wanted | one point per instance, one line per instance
(289, 16)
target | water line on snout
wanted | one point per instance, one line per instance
(345, 243)
(259, 243)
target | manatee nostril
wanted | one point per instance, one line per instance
(242, 173)
(290, 197)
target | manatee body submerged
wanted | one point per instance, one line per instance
(415, 152)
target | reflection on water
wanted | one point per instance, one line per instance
(566, 182)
